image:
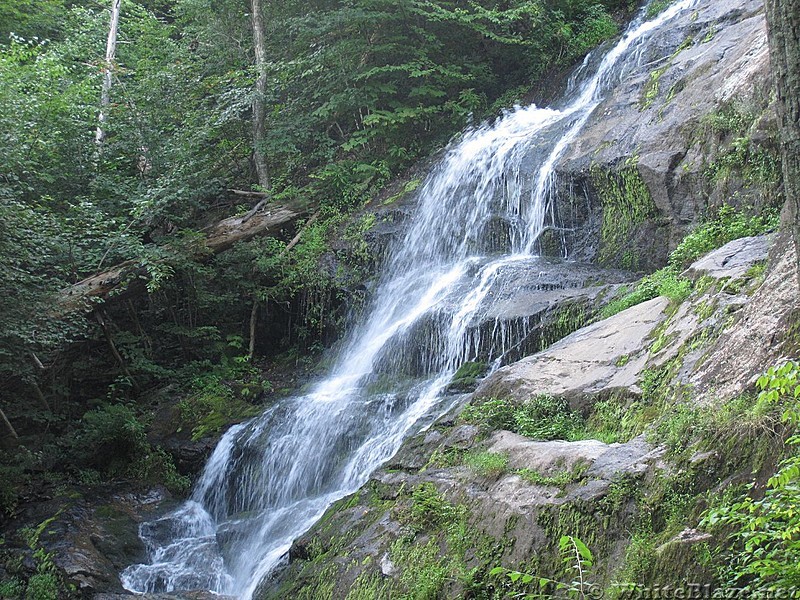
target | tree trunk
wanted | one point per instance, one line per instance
(251, 349)
(129, 277)
(259, 99)
(254, 311)
(783, 22)
(115, 353)
(111, 51)
(9, 439)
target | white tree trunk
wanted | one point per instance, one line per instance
(259, 108)
(111, 51)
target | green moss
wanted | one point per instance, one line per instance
(627, 204)
(467, 375)
(650, 92)
(564, 321)
(651, 88)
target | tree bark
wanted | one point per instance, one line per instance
(115, 353)
(251, 347)
(783, 23)
(129, 277)
(259, 98)
(111, 52)
(10, 433)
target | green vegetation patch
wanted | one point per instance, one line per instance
(542, 417)
(727, 225)
(626, 204)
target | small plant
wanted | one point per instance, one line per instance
(560, 480)
(664, 282)
(494, 413)
(487, 464)
(429, 509)
(576, 559)
(728, 225)
(765, 536)
(546, 417)
(543, 417)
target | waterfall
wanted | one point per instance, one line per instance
(271, 478)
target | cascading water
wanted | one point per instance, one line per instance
(270, 479)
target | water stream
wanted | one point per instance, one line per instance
(271, 478)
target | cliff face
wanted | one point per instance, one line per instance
(692, 127)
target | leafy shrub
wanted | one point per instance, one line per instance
(12, 479)
(545, 417)
(728, 225)
(429, 509)
(157, 466)
(111, 438)
(664, 282)
(765, 532)
(494, 413)
(542, 417)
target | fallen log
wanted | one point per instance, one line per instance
(130, 277)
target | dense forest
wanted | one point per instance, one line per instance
(196, 199)
(130, 153)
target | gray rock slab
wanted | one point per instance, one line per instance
(586, 362)
(732, 260)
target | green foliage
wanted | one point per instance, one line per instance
(757, 165)
(627, 204)
(13, 479)
(157, 466)
(727, 225)
(487, 464)
(46, 582)
(664, 282)
(113, 441)
(657, 7)
(429, 509)
(561, 479)
(223, 395)
(547, 418)
(111, 438)
(764, 531)
(542, 417)
(576, 559)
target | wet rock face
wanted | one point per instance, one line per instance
(649, 140)
(89, 537)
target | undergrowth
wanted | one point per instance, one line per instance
(729, 224)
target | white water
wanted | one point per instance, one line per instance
(270, 479)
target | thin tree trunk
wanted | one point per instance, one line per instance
(253, 322)
(259, 100)
(783, 22)
(10, 432)
(111, 52)
(115, 353)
